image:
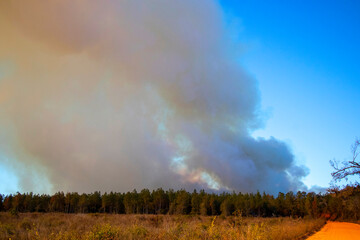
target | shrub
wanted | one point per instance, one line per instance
(138, 232)
(25, 224)
(103, 232)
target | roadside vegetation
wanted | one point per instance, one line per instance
(174, 214)
(118, 226)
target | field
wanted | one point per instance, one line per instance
(118, 226)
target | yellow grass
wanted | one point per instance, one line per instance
(106, 226)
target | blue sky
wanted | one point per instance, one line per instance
(304, 55)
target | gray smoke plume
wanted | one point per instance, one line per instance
(119, 95)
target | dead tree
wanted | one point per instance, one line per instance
(347, 168)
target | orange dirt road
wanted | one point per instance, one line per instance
(338, 230)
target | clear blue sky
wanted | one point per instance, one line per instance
(305, 56)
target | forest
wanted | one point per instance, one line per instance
(335, 204)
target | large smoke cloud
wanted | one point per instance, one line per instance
(119, 95)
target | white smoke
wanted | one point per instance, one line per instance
(119, 95)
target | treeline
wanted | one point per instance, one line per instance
(343, 203)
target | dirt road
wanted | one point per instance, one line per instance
(338, 230)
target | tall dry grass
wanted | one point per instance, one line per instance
(105, 226)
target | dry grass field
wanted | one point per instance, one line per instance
(116, 226)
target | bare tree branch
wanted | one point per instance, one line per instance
(347, 168)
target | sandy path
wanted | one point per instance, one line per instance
(338, 230)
